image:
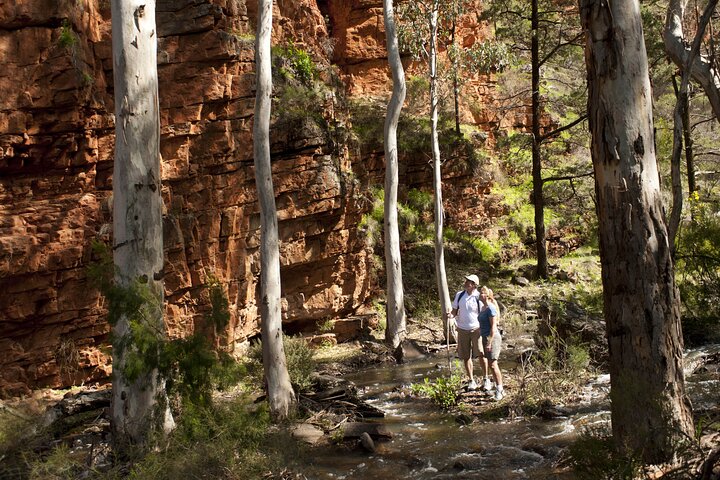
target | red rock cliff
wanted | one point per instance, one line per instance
(56, 148)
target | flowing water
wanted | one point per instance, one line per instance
(430, 444)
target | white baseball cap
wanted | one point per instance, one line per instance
(473, 278)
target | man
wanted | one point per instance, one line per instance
(465, 311)
(491, 341)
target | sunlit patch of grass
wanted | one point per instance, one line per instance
(338, 353)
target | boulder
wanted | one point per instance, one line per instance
(374, 430)
(308, 433)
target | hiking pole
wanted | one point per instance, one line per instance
(447, 340)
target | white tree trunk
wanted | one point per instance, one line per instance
(137, 210)
(682, 120)
(280, 392)
(650, 412)
(440, 274)
(703, 69)
(395, 331)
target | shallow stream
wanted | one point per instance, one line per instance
(430, 444)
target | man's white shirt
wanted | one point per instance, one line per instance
(468, 310)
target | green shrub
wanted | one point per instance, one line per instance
(370, 229)
(67, 38)
(698, 273)
(229, 439)
(380, 309)
(488, 251)
(420, 201)
(299, 358)
(443, 391)
(297, 63)
(326, 325)
(594, 455)
(192, 367)
(60, 464)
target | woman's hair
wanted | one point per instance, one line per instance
(489, 293)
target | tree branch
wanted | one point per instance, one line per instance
(679, 51)
(558, 47)
(562, 129)
(567, 177)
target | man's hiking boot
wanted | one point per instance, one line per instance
(487, 385)
(472, 385)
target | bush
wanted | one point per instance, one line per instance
(226, 440)
(594, 455)
(67, 38)
(192, 367)
(443, 391)
(698, 273)
(297, 63)
(299, 358)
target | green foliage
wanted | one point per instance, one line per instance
(419, 200)
(294, 104)
(698, 272)
(380, 309)
(219, 316)
(418, 88)
(67, 38)
(443, 391)
(488, 251)
(299, 358)
(367, 124)
(594, 455)
(570, 356)
(226, 440)
(299, 99)
(296, 63)
(414, 217)
(489, 56)
(413, 134)
(326, 325)
(191, 366)
(58, 465)
(589, 296)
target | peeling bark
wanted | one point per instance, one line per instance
(650, 412)
(138, 407)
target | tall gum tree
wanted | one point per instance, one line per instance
(139, 406)
(395, 331)
(650, 411)
(421, 25)
(280, 392)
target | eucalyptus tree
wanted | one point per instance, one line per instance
(395, 331)
(280, 392)
(650, 412)
(702, 67)
(687, 56)
(139, 403)
(547, 33)
(419, 34)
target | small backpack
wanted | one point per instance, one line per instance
(477, 299)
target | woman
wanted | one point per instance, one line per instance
(491, 341)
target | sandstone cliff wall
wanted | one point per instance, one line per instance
(56, 149)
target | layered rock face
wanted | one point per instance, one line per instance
(56, 151)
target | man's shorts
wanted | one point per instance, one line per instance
(494, 353)
(468, 343)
